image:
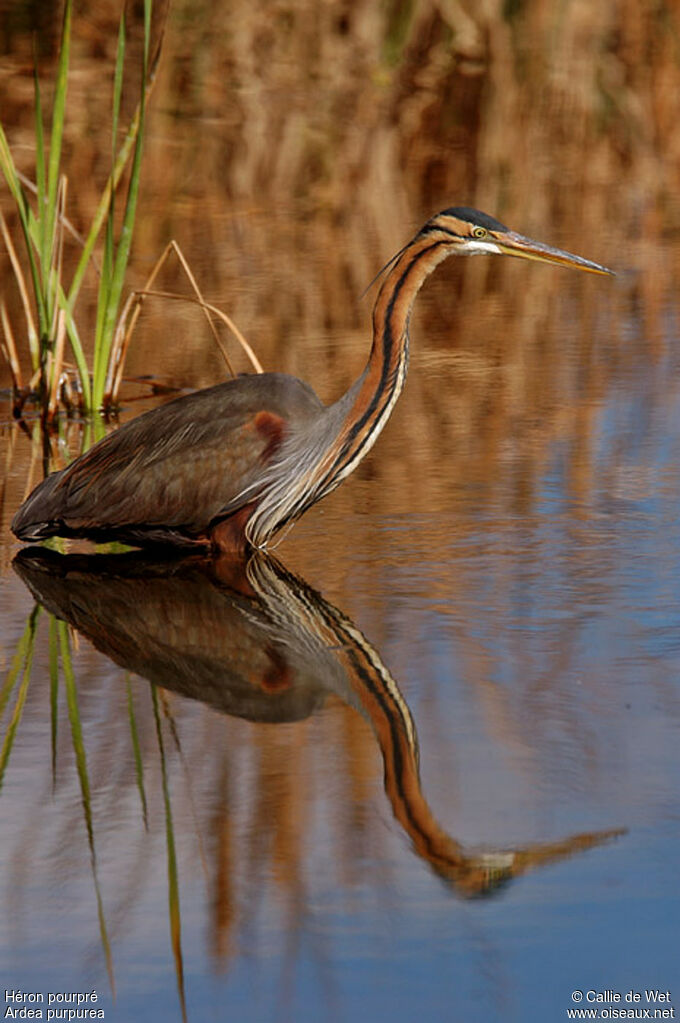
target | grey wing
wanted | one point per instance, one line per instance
(179, 466)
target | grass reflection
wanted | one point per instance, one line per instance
(60, 662)
(59, 653)
(253, 641)
(173, 879)
(139, 763)
(21, 665)
(63, 639)
(53, 654)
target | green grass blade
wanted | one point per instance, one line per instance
(173, 883)
(43, 253)
(29, 228)
(103, 207)
(122, 252)
(121, 161)
(77, 349)
(148, 7)
(139, 766)
(103, 300)
(9, 171)
(102, 343)
(57, 133)
(118, 83)
(80, 361)
(23, 655)
(119, 268)
(42, 229)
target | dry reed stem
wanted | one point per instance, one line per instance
(9, 349)
(126, 326)
(254, 361)
(21, 282)
(124, 329)
(127, 322)
(194, 284)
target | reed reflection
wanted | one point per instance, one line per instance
(252, 640)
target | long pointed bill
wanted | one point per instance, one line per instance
(512, 244)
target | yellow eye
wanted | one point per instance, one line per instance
(479, 232)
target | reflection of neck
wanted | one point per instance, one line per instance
(289, 600)
(472, 873)
(394, 728)
(377, 694)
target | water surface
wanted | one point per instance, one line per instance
(425, 765)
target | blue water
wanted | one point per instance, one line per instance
(536, 642)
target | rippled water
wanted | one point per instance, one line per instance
(538, 655)
(425, 763)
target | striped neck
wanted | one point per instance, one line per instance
(368, 404)
(331, 449)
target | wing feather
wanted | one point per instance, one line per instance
(175, 468)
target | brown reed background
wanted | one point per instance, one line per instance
(291, 149)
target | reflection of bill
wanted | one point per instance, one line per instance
(252, 640)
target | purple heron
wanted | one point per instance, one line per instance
(230, 465)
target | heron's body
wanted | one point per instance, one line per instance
(231, 464)
(124, 488)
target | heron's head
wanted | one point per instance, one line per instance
(468, 232)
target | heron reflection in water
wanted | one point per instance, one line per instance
(230, 465)
(252, 640)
